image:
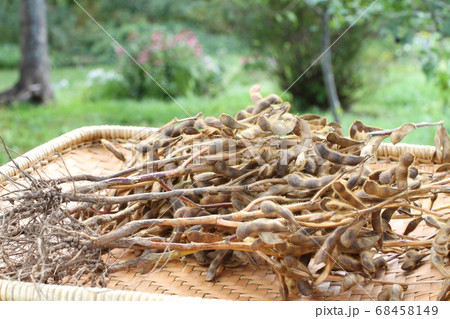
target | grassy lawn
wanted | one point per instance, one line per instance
(403, 95)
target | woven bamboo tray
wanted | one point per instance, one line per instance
(80, 151)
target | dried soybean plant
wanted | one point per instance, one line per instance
(262, 186)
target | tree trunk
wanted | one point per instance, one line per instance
(34, 80)
(327, 66)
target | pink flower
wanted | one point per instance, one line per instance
(119, 50)
(158, 41)
(185, 36)
(157, 46)
(179, 37)
(144, 56)
(192, 42)
(157, 37)
(189, 39)
(198, 51)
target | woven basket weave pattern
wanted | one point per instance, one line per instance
(80, 152)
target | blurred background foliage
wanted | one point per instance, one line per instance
(394, 62)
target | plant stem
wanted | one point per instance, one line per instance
(109, 183)
(388, 132)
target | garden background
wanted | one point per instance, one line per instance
(390, 60)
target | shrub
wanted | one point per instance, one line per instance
(176, 62)
(103, 83)
(290, 34)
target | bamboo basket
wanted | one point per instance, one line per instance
(80, 151)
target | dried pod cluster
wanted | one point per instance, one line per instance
(262, 186)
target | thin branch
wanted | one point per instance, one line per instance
(388, 132)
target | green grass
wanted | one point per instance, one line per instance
(403, 95)
(24, 126)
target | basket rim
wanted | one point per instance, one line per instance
(85, 134)
(72, 139)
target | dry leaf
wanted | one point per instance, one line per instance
(282, 127)
(401, 132)
(230, 122)
(304, 287)
(366, 257)
(412, 262)
(110, 147)
(364, 242)
(370, 149)
(350, 235)
(443, 168)
(412, 225)
(442, 144)
(439, 264)
(393, 293)
(348, 263)
(343, 142)
(212, 121)
(213, 269)
(352, 279)
(271, 238)
(329, 244)
(255, 94)
(264, 123)
(292, 262)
